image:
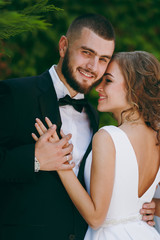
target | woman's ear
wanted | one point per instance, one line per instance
(63, 45)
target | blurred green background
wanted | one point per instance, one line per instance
(136, 23)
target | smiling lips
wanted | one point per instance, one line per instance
(101, 97)
(86, 73)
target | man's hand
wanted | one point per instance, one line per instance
(148, 211)
(53, 155)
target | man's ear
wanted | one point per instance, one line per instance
(63, 45)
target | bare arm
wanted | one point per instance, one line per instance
(94, 208)
(148, 209)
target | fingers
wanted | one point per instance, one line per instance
(55, 136)
(41, 129)
(50, 132)
(49, 123)
(34, 137)
(151, 223)
(51, 136)
(148, 211)
(147, 218)
(40, 126)
(148, 208)
(68, 158)
(62, 133)
(68, 150)
(67, 166)
(150, 205)
(64, 141)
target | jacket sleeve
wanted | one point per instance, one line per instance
(16, 160)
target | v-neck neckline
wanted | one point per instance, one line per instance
(157, 174)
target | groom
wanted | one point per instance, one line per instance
(34, 203)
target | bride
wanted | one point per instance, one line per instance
(122, 171)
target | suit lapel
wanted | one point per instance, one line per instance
(94, 121)
(48, 100)
(93, 117)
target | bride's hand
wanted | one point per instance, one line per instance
(53, 138)
(41, 129)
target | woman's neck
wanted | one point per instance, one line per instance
(129, 117)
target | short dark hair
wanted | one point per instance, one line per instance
(97, 23)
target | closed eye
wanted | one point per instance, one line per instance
(108, 80)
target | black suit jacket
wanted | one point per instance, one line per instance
(33, 205)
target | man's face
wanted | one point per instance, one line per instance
(86, 60)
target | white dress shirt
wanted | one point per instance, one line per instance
(73, 121)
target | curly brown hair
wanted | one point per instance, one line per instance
(141, 71)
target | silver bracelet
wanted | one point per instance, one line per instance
(36, 165)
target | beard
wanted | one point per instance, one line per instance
(67, 72)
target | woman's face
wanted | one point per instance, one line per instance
(112, 91)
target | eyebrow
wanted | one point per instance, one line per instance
(106, 74)
(94, 52)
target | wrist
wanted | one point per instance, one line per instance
(36, 165)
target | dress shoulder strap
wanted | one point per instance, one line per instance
(120, 140)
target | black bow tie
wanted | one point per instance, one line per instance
(78, 104)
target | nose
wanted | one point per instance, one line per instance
(99, 87)
(92, 64)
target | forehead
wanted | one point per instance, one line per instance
(113, 68)
(91, 40)
(114, 71)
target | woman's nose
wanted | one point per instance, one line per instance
(99, 87)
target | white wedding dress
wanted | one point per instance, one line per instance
(123, 221)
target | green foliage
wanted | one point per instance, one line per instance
(40, 7)
(136, 25)
(23, 50)
(15, 22)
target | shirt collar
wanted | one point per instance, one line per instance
(60, 88)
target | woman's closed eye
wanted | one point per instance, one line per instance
(108, 80)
